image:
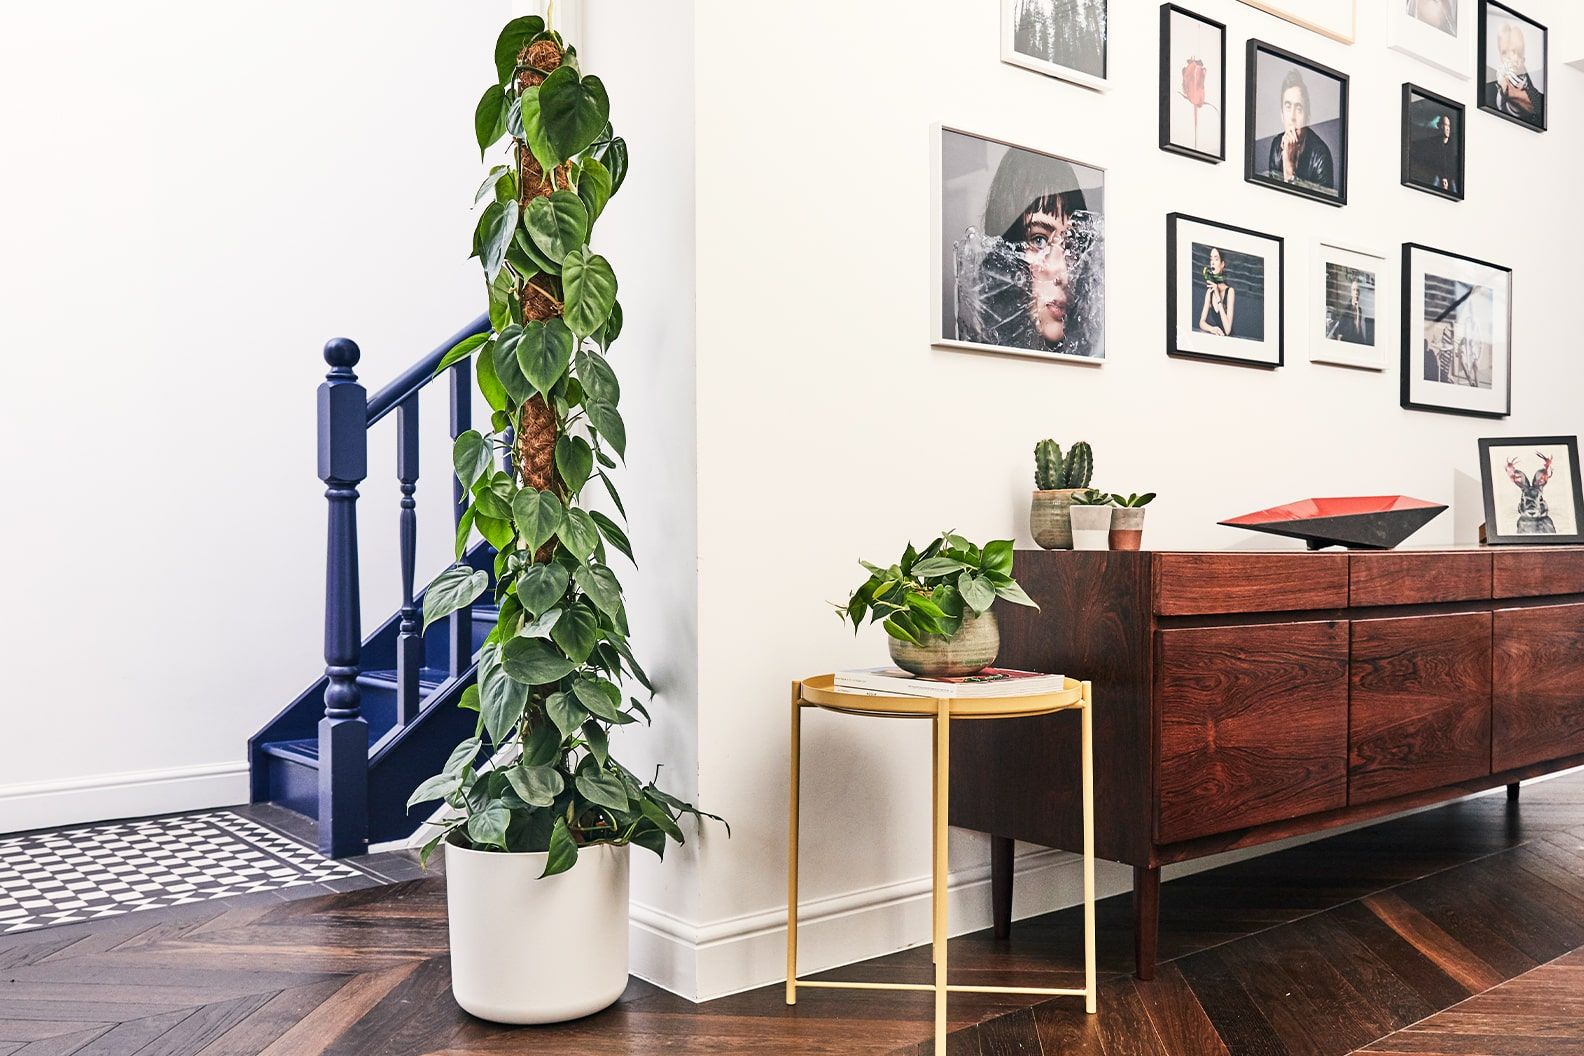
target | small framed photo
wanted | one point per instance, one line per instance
(1337, 19)
(1532, 492)
(1347, 291)
(1297, 125)
(1457, 334)
(1438, 32)
(1193, 85)
(1068, 39)
(1514, 71)
(1224, 292)
(1433, 151)
(1019, 253)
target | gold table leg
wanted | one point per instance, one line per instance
(942, 781)
(792, 844)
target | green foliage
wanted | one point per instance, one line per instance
(1078, 468)
(1047, 465)
(1133, 501)
(927, 591)
(538, 774)
(1091, 497)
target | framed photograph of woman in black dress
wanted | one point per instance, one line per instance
(1224, 292)
(1514, 66)
(1432, 143)
(1457, 333)
(1297, 125)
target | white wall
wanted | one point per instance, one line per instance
(196, 196)
(830, 430)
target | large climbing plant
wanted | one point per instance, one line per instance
(550, 673)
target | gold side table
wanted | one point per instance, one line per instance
(821, 692)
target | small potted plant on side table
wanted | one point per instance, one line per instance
(1127, 520)
(1057, 480)
(1091, 520)
(935, 605)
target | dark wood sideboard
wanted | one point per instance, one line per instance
(1246, 697)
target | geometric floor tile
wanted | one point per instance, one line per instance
(72, 875)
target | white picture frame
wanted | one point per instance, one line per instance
(1335, 339)
(1013, 11)
(1451, 53)
(1337, 19)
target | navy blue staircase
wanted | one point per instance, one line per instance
(383, 717)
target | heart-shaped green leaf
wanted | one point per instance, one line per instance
(563, 849)
(537, 785)
(574, 460)
(612, 328)
(514, 37)
(538, 514)
(601, 698)
(487, 828)
(615, 159)
(501, 703)
(608, 423)
(470, 455)
(976, 591)
(534, 132)
(599, 786)
(565, 711)
(579, 534)
(558, 224)
(462, 755)
(534, 662)
(518, 387)
(575, 632)
(573, 109)
(602, 588)
(489, 117)
(487, 188)
(613, 534)
(597, 377)
(594, 187)
(457, 586)
(461, 350)
(437, 787)
(590, 288)
(495, 227)
(598, 742)
(544, 352)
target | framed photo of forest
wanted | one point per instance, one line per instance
(1069, 39)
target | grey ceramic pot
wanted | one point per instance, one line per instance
(1050, 518)
(1091, 527)
(1127, 527)
(972, 649)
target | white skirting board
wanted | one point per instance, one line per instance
(131, 794)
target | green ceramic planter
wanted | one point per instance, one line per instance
(972, 649)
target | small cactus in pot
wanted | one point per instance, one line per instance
(1057, 479)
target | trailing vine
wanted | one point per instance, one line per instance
(550, 672)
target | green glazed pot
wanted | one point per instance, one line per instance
(972, 649)
(1050, 518)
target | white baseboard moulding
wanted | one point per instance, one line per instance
(130, 794)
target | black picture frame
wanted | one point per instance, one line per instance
(1412, 347)
(1488, 483)
(1410, 92)
(1280, 287)
(1250, 109)
(1479, 66)
(1166, 144)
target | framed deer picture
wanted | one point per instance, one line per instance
(1532, 492)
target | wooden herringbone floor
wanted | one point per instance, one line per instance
(1448, 932)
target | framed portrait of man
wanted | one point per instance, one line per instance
(1296, 118)
(1433, 150)
(1067, 39)
(1348, 299)
(1457, 333)
(1531, 486)
(1514, 70)
(1019, 250)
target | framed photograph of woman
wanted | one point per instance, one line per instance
(1193, 85)
(1438, 32)
(1223, 292)
(1019, 250)
(1433, 152)
(1514, 70)
(1069, 39)
(1297, 125)
(1532, 492)
(1337, 19)
(1347, 290)
(1457, 333)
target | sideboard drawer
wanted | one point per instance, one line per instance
(1253, 725)
(1538, 699)
(1421, 704)
(1204, 584)
(1538, 572)
(1407, 578)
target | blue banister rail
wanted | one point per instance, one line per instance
(344, 419)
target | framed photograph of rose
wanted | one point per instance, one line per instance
(1193, 85)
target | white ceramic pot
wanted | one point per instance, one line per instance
(1091, 527)
(526, 950)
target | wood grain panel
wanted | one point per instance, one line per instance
(1421, 712)
(1409, 578)
(1538, 694)
(1253, 725)
(1538, 572)
(1200, 584)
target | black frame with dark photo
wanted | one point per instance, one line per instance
(1250, 104)
(1545, 64)
(1280, 286)
(1166, 144)
(1410, 91)
(1487, 482)
(1411, 348)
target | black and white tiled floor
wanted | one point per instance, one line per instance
(95, 871)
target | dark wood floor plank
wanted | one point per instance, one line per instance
(133, 1036)
(318, 1030)
(258, 1030)
(1177, 1016)
(1451, 956)
(1014, 1034)
(1243, 1027)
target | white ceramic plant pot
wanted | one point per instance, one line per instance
(526, 950)
(1091, 527)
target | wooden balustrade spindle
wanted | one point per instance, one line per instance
(409, 642)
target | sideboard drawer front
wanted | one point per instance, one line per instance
(1253, 725)
(1539, 572)
(1421, 712)
(1206, 584)
(1388, 578)
(1538, 699)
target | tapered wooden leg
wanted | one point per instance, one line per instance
(1001, 885)
(1091, 993)
(1146, 919)
(1512, 792)
(792, 845)
(942, 776)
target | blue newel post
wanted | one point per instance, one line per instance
(343, 733)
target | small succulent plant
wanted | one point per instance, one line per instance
(1052, 472)
(1133, 501)
(1092, 497)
